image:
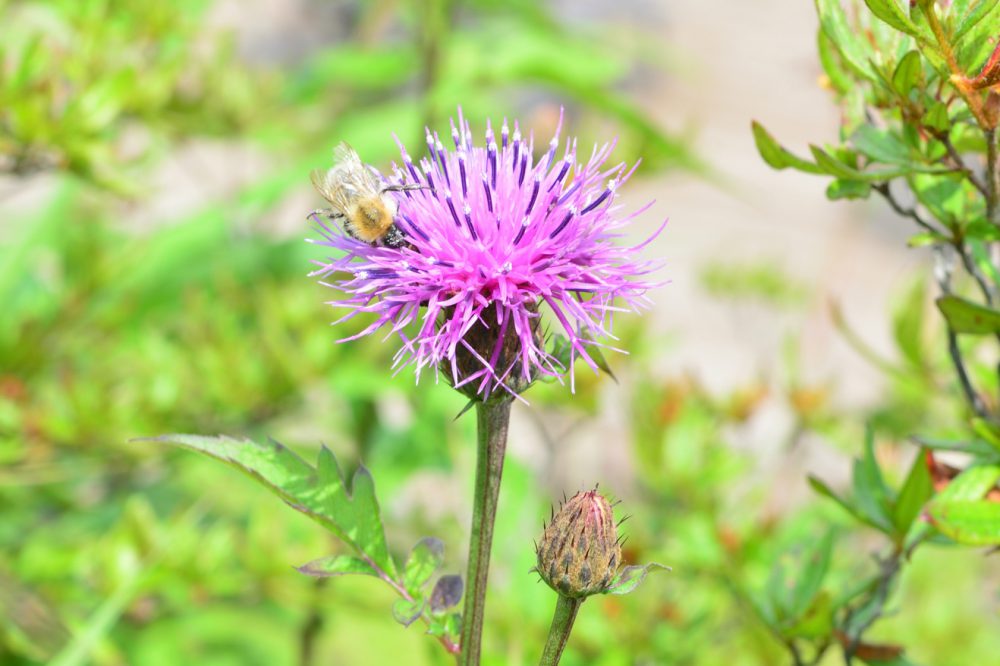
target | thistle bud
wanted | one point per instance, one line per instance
(579, 552)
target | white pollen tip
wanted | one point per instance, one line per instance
(517, 135)
(492, 146)
(439, 145)
(467, 209)
(361, 275)
(507, 267)
(447, 195)
(538, 177)
(554, 142)
(432, 260)
(573, 210)
(525, 222)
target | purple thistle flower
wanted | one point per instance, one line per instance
(493, 239)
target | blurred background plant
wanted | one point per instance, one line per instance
(155, 183)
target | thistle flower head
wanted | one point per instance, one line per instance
(495, 238)
(579, 553)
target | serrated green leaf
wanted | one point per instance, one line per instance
(424, 560)
(353, 514)
(776, 156)
(973, 523)
(892, 13)
(337, 565)
(964, 316)
(631, 577)
(917, 490)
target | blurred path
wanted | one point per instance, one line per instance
(741, 61)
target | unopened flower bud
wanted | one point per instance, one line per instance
(579, 552)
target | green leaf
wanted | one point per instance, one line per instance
(892, 13)
(424, 560)
(631, 577)
(925, 238)
(319, 492)
(881, 145)
(964, 316)
(831, 60)
(848, 189)
(909, 74)
(978, 12)
(815, 565)
(871, 495)
(973, 523)
(988, 430)
(917, 489)
(976, 447)
(835, 167)
(908, 323)
(407, 611)
(447, 593)
(971, 484)
(776, 156)
(845, 37)
(337, 565)
(823, 489)
(936, 117)
(561, 349)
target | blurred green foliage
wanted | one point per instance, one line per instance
(118, 552)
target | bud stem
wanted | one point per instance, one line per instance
(492, 419)
(562, 624)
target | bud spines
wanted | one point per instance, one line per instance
(580, 552)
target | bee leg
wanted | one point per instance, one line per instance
(328, 213)
(395, 238)
(403, 188)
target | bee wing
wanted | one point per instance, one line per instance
(344, 154)
(353, 173)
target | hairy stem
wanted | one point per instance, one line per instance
(310, 630)
(492, 419)
(562, 625)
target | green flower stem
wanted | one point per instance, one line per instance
(562, 624)
(492, 419)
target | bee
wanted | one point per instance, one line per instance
(359, 199)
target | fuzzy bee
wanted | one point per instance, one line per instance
(359, 199)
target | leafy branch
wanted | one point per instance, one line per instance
(351, 514)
